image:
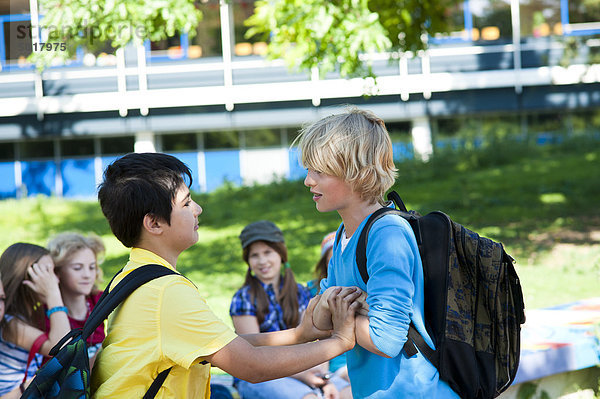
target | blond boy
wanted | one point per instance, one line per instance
(349, 168)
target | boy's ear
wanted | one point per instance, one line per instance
(152, 224)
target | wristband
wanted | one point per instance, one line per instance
(56, 309)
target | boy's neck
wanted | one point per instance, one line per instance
(353, 216)
(162, 251)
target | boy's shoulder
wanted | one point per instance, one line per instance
(390, 234)
(389, 224)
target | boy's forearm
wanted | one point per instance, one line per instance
(289, 360)
(275, 338)
(257, 364)
(363, 336)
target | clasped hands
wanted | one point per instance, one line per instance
(323, 314)
(333, 313)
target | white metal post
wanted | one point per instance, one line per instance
(516, 38)
(35, 45)
(227, 43)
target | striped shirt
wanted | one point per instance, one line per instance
(13, 360)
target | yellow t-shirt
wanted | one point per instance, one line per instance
(164, 323)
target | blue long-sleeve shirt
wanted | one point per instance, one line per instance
(395, 297)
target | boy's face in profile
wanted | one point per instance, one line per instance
(182, 233)
(330, 193)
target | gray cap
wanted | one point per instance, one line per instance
(262, 230)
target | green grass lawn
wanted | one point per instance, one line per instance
(541, 202)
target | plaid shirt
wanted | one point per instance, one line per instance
(242, 305)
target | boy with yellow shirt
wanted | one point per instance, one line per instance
(166, 322)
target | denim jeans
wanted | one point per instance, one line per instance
(218, 391)
(282, 388)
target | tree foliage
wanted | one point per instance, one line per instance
(92, 24)
(333, 34)
(328, 34)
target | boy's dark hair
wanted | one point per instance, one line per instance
(138, 184)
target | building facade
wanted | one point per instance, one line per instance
(215, 102)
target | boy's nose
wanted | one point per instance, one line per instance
(308, 181)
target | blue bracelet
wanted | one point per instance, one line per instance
(56, 309)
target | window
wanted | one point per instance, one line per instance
(179, 142)
(540, 18)
(292, 133)
(7, 151)
(459, 25)
(77, 147)
(17, 38)
(399, 131)
(242, 10)
(448, 126)
(103, 55)
(117, 145)
(171, 47)
(226, 139)
(37, 149)
(207, 41)
(581, 11)
(491, 20)
(263, 138)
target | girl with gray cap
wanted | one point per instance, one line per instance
(272, 300)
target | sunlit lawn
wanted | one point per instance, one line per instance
(542, 204)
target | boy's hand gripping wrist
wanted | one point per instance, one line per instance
(306, 330)
(343, 305)
(322, 317)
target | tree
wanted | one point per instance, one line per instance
(92, 24)
(333, 34)
(328, 34)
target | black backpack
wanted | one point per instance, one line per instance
(67, 373)
(473, 303)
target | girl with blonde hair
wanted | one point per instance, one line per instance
(76, 259)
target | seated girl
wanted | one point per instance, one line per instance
(29, 281)
(271, 300)
(76, 265)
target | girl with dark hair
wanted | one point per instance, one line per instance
(272, 300)
(32, 292)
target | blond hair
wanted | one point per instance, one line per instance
(354, 146)
(63, 245)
